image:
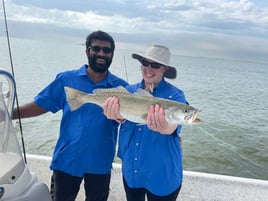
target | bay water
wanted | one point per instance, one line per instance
(233, 96)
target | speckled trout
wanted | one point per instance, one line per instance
(134, 107)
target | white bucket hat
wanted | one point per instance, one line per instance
(159, 54)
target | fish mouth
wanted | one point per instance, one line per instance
(192, 117)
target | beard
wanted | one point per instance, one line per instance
(99, 68)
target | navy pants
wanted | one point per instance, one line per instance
(138, 194)
(65, 187)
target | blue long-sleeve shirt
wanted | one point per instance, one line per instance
(87, 140)
(152, 160)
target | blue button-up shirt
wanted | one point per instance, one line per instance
(151, 160)
(87, 140)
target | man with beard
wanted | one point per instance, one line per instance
(86, 145)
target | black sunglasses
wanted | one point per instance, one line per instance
(153, 65)
(96, 48)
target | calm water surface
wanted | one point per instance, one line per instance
(231, 140)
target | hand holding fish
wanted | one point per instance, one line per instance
(156, 121)
(111, 109)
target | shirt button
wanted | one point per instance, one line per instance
(135, 171)
(139, 129)
(135, 158)
(137, 144)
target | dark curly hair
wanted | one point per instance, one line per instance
(100, 35)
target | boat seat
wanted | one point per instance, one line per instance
(11, 167)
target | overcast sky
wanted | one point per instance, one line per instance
(213, 28)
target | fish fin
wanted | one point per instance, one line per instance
(73, 97)
(142, 92)
(118, 89)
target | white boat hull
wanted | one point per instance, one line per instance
(196, 186)
(18, 183)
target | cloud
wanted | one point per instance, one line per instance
(143, 16)
(207, 26)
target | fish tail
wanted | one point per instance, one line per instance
(73, 98)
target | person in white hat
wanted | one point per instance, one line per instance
(151, 154)
(160, 55)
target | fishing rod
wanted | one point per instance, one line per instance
(13, 74)
(125, 68)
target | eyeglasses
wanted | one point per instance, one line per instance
(153, 65)
(96, 48)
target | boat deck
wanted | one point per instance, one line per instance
(196, 186)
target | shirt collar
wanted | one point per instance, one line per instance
(107, 82)
(161, 84)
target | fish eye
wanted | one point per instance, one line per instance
(185, 111)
